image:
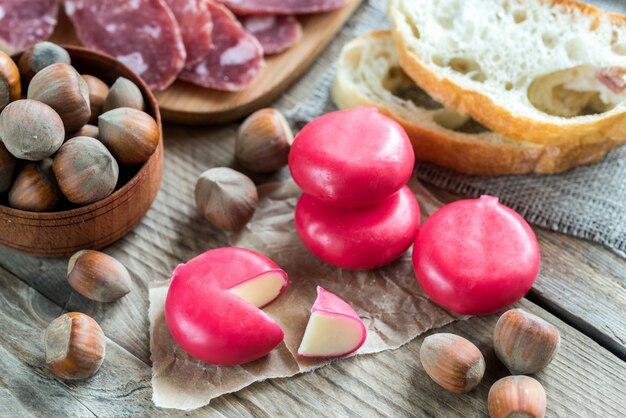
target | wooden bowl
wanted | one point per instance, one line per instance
(57, 234)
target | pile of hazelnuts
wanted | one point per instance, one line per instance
(63, 135)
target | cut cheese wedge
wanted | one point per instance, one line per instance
(334, 328)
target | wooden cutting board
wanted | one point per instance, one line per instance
(187, 103)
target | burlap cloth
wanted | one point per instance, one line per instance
(587, 202)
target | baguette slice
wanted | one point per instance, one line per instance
(369, 74)
(544, 71)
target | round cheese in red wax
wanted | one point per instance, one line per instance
(476, 256)
(212, 306)
(359, 238)
(351, 158)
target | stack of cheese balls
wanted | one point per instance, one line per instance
(64, 139)
(356, 211)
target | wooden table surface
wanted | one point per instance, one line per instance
(581, 289)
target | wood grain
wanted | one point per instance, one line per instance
(190, 104)
(583, 380)
(97, 224)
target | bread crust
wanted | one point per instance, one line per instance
(602, 132)
(459, 152)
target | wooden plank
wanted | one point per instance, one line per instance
(584, 379)
(580, 281)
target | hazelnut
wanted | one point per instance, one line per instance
(226, 198)
(98, 91)
(31, 130)
(91, 131)
(98, 276)
(263, 141)
(10, 85)
(130, 134)
(453, 362)
(35, 188)
(524, 342)
(85, 170)
(39, 57)
(516, 396)
(75, 346)
(123, 93)
(7, 166)
(63, 89)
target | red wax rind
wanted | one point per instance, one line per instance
(359, 238)
(476, 256)
(351, 158)
(210, 322)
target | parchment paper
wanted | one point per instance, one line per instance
(389, 299)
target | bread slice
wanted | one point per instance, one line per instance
(544, 71)
(369, 74)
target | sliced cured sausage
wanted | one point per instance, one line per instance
(143, 34)
(194, 19)
(23, 23)
(235, 59)
(282, 7)
(275, 33)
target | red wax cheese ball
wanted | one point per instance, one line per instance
(212, 306)
(359, 238)
(351, 158)
(476, 256)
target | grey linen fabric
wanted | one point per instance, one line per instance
(587, 202)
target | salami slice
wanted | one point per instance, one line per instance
(275, 33)
(235, 59)
(143, 34)
(194, 19)
(282, 7)
(23, 23)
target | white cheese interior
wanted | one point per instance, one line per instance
(261, 290)
(329, 335)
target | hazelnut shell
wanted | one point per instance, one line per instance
(98, 91)
(75, 346)
(130, 134)
(517, 396)
(7, 167)
(123, 93)
(31, 130)
(62, 88)
(226, 198)
(263, 141)
(85, 170)
(91, 131)
(98, 276)
(39, 57)
(524, 342)
(10, 85)
(453, 362)
(35, 188)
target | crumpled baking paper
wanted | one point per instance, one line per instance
(390, 301)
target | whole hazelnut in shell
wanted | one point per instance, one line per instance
(524, 342)
(75, 346)
(85, 170)
(87, 130)
(35, 188)
(41, 56)
(98, 91)
(226, 198)
(7, 166)
(517, 396)
(62, 88)
(130, 134)
(31, 130)
(453, 362)
(10, 84)
(98, 276)
(123, 93)
(263, 141)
